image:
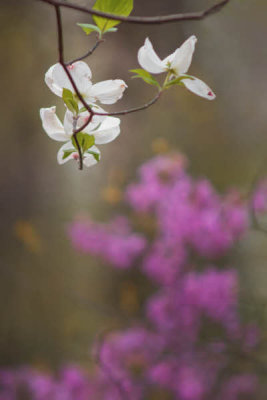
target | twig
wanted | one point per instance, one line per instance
(89, 53)
(132, 110)
(194, 16)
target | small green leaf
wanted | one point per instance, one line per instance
(177, 81)
(89, 28)
(173, 82)
(67, 153)
(85, 141)
(116, 7)
(111, 30)
(95, 155)
(83, 109)
(70, 101)
(141, 73)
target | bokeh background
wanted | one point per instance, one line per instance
(53, 301)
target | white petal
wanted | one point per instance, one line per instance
(108, 130)
(107, 92)
(50, 82)
(67, 146)
(52, 124)
(149, 60)
(181, 59)
(89, 160)
(198, 87)
(68, 122)
(57, 79)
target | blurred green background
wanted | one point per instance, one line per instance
(53, 301)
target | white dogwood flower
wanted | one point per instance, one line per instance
(177, 64)
(106, 92)
(101, 130)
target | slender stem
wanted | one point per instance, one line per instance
(74, 134)
(194, 16)
(132, 110)
(89, 53)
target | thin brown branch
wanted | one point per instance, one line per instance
(194, 16)
(132, 110)
(89, 53)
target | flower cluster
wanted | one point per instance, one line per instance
(192, 343)
(114, 243)
(196, 346)
(100, 129)
(176, 66)
(86, 127)
(24, 383)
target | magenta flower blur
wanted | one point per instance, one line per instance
(192, 343)
(193, 317)
(115, 243)
(259, 198)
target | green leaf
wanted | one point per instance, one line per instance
(111, 30)
(96, 155)
(70, 101)
(89, 28)
(177, 81)
(83, 109)
(173, 82)
(67, 153)
(141, 73)
(116, 7)
(85, 141)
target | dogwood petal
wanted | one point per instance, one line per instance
(107, 92)
(57, 79)
(108, 130)
(66, 147)
(89, 160)
(198, 87)
(52, 124)
(50, 82)
(181, 59)
(149, 60)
